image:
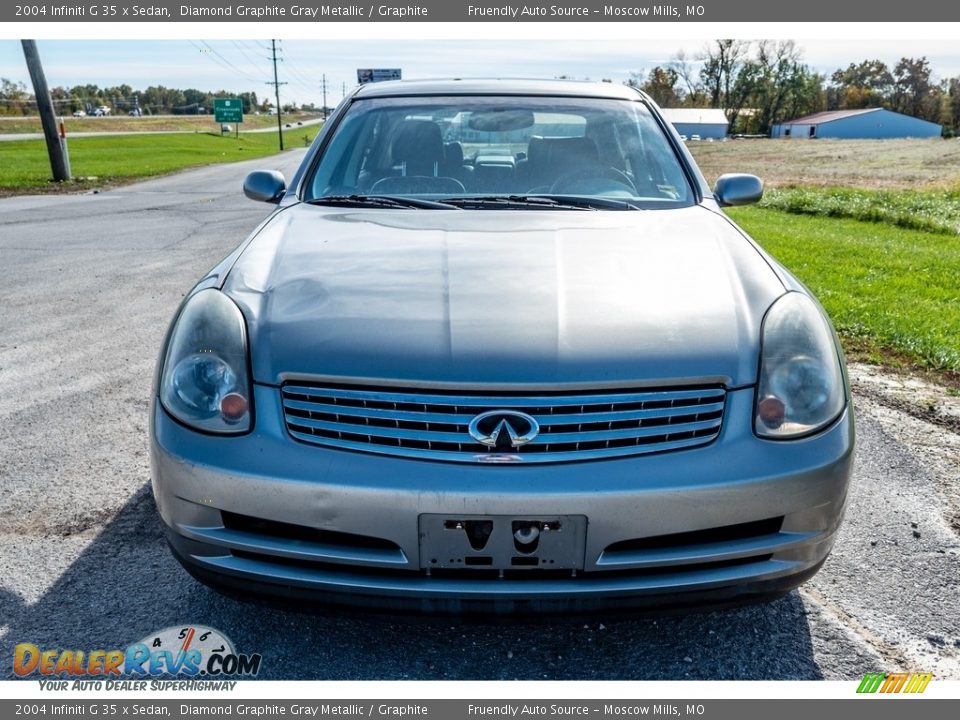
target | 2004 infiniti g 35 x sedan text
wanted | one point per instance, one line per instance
(498, 349)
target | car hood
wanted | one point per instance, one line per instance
(476, 297)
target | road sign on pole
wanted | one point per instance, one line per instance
(369, 75)
(226, 110)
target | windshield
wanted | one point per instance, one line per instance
(501, 152)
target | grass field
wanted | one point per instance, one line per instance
(101, 162)
(886, 288)
(158, 123)
(936, 211)
(872, 227)
(864, 164)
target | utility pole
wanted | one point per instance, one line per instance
(324, 96)
(48, 120)
(276, 89)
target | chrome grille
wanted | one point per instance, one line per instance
(433, 424)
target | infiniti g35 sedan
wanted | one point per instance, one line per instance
(498, 349)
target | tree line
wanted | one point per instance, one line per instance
(757, 83)
(761, 83)
(15, 99)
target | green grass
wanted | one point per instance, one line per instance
(891, 291)
(99, 162)
(936, 212)
(152, 123)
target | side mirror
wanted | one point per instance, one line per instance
(738, 189)
(265, 186)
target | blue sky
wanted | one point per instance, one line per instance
(242, 65)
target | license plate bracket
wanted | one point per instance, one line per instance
(502, 542)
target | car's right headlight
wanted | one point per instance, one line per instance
(205, 383)
(801, 387)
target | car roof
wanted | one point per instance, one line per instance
(498, 86)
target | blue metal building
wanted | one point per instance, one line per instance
(868, 123)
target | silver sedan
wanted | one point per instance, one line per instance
(498, 349)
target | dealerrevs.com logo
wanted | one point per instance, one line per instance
(187, 651)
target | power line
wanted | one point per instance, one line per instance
(207, 53)
(254, 47)
(299, 77)
(243, 52)
(216, 57)
(229, 64)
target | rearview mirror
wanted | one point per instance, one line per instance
(501, 120)
(738, 189)
(265, 186)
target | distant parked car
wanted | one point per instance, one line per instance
(226, 129)
(79, 113)
(101, 111)
(695, 137)
(135, 112)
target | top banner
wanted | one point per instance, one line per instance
(473, 11)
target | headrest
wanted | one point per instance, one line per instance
(417, 141)
(569, 150)
(453, 153)
(561, 150)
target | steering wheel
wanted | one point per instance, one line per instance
(593, 180)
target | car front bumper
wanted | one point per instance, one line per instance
(732, 521)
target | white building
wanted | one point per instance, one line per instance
(705, 122)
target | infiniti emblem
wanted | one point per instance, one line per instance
(503, 429)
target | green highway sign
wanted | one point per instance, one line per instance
(228, 110)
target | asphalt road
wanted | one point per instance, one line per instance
(88, 284)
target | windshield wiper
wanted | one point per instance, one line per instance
(592, 201)
(391, 201)
(510, 202)
(551, 202)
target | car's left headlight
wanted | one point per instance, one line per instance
(801, 387)
(205, 383)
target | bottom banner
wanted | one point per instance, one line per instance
(466, 709)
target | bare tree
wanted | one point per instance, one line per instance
(686, 71)
(781, 81)
(722, 62)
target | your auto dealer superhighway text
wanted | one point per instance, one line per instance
(304, 11)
